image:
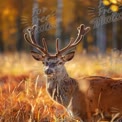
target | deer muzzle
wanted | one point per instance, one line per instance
(49, 71)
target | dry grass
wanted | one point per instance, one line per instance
(23, 97)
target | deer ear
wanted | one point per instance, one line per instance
(68, 56)
(37, 56)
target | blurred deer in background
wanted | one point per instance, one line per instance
(90, 98)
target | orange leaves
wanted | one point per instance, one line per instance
(114, 4)
(23, 96)
(106, 2)
(26, 101)
(114, 8)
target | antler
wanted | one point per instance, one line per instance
(82, 30)
(29, 37)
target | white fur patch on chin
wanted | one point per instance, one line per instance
(50, 76)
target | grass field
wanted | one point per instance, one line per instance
(23, 97)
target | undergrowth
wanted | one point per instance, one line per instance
(23, 96)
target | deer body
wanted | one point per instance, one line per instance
(99, 95)
(87, 98)
(61, 90)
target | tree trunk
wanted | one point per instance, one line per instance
(19, 35)
(1, 43)
(101, 33)
(101, 39)
(1, 39)
(19, 27)
(114, 35)
(35, 21)
(59, 21)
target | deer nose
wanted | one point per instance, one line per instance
(48, 71)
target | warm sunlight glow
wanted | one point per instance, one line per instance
(119, 1)
(113, 1)
(106, 2)
(113, 4)
(6, 12)
(114, 8)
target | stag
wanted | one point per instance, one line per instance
(91, 98)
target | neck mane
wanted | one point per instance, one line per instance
(59, 77)
(61, 87)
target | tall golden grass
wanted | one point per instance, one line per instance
(23, 96)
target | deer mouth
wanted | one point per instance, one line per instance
(50, 75)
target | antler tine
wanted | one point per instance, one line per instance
(65, 48)
(32, 33)
(32, 44)
(44, 45)
(81, 32)
(29, 37)
(57, 46)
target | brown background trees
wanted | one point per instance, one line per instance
(15, 16)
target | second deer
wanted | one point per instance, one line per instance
(90, 98)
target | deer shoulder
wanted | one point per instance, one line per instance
(99, 96)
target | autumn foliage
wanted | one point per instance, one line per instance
(23, 97)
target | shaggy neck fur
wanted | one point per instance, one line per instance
(59, 87)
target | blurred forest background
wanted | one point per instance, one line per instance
(23, 94)
(60, 18)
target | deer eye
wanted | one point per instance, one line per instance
(60, 63)
(45, 63)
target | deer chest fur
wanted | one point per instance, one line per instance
(61, 91)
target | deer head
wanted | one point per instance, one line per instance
(54, 64)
